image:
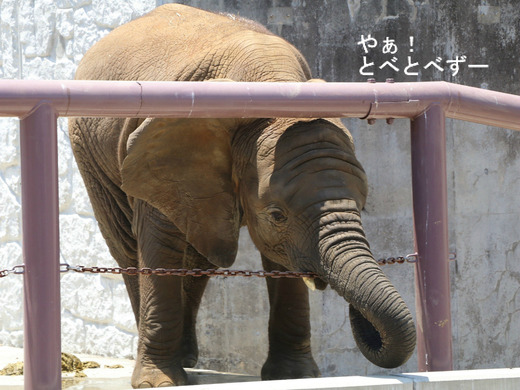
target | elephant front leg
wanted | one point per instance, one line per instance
(159, 354)
(290, 354)
(192, 291)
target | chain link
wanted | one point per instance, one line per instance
(411, 258)
(64, 267)
(17, 270)
(186, 272)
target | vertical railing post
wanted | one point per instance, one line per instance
(430, 208)
(42, 336)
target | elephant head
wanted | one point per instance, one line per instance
(299, 188)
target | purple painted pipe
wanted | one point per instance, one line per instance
(41, 249)
(38, 103)
(209, 99)
(430, 209)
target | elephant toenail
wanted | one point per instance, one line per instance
(189, 362)
(166, 384)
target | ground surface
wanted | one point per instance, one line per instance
(104, 376)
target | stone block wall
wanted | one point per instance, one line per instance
(44, 39)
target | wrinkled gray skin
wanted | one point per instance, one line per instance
(174, 193)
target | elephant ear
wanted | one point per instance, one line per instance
(183, 168)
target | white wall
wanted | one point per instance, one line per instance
(43, 39)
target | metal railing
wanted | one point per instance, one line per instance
(39, 103)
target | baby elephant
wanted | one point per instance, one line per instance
(174, 193)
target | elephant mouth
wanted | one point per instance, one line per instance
(315, 283)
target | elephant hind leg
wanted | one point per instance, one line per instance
(192, 291)
(110, 204)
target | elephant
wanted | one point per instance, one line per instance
(174, 193)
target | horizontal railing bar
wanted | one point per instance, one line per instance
(238, 99)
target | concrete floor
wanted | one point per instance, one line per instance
(108, 378)
(119, 379)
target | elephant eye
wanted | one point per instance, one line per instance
(278, 216)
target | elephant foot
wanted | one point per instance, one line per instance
(148, 375)
(290, 366)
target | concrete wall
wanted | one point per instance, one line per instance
(43, 39)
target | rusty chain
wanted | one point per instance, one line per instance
(186, 272)
(17, 269)
(411, 258)
(20, 269)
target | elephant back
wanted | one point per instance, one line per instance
(180, 43)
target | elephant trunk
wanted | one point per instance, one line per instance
(381, 322)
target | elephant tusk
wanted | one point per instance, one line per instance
(310, 283)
